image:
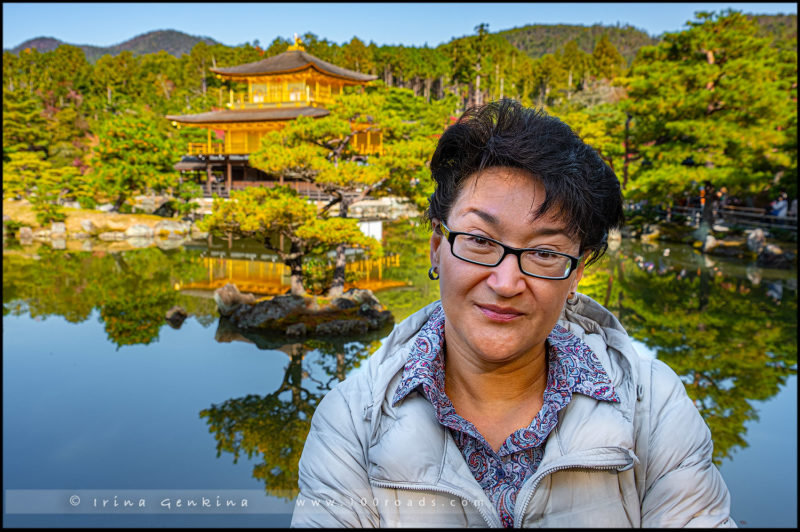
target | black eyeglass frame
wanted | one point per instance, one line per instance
(508, 250)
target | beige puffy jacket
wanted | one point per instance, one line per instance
(642, 462)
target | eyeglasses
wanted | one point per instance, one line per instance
(478, 249)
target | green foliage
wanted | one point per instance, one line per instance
(272, 428)
(134, 154)
(21, 173)
(716, 104)
(23, 123)
(730, 343)
(601, 127)
(285, 224)
(321, 150)
(607, 62)
(318, 274)
(132, 291)
(258, 213)
(537, 40)
(410, 239)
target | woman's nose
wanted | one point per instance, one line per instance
(506, 279)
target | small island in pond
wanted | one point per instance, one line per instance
(355, 312)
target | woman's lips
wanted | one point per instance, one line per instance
(495, 313)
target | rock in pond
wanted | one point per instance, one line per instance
(88, 226)
(228, 298)
(773, 256)
(175, 316)
(139, 231)
(353, 313)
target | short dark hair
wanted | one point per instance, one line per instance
(577, 181)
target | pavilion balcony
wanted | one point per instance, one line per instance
(280, 98)
(235, 143)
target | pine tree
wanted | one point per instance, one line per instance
(135, 154)
(607, 62)
(713, 104)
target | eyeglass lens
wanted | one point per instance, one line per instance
(537, 262)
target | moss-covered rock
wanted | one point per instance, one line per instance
(355, 312)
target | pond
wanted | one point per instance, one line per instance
(112, 417)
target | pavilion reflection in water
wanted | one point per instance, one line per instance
(272, 278)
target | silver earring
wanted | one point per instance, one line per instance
(433, 273)
(572, 299)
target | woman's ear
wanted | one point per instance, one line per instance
(436, 243)
(573, 287)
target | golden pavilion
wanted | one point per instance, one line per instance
(279, 89)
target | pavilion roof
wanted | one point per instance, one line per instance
(292, 61)
(250, 115)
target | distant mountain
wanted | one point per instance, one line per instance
(782, 29)
(539, 39)
(173, 42)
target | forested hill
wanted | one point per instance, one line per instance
(539, 39)
(175, 43)
(783, 28)
(534, 40)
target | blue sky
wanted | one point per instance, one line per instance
(410, 24)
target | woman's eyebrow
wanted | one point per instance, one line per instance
(488, 218)
(491, 219)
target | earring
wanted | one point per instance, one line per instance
(433, 273)
(572, 299)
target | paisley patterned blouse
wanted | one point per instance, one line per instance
(572, 368)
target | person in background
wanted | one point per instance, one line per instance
(780, 206)
(515, 400)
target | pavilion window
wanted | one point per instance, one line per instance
(297, 91)
(259, 92)
(274, 92)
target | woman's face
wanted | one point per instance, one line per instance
(498, 314)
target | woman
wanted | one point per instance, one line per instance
(515, 400)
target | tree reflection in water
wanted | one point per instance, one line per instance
(132, 290)
(274, 426)
(727, 336)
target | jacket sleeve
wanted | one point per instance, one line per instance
(333, 481)
(683, 488)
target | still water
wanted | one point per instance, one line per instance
(112, 417)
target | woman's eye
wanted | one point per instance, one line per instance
(544, 255)
(478, 241)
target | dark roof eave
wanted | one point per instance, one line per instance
(292, 61)
(250, 115)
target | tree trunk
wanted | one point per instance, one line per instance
(496, 75)
(337, 284)
(296, 267)
(203, 76)
(119, 203)
(569, 85)
(627, 151)
(477, 89)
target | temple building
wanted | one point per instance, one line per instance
(279, 89)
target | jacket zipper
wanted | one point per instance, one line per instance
(520, 509)
(486, 517)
